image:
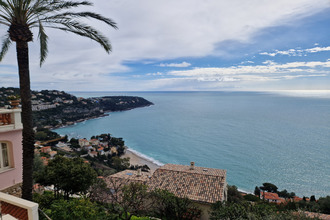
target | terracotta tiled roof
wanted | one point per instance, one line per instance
(270, 196)
(117, 181)
(14, 211)
(201, 184)
(297, 199)
(46, 149)
(205, 185)
(131, 176)
(52, 152)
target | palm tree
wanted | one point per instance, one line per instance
(23, 15)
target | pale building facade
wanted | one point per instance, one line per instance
(10, 147)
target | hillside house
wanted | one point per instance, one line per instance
(52, 154)
(94, 142)
(204, 186)
(92, 153)
(271, 197)
(10, 148)
(83, 142)
(11, 168)
(46, 149)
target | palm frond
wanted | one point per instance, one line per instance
(52, 14)
(99, 38)
(82, 30)
(43, 7)
(69, 15)
(68, 4)
(100, 18)
(5, 46)
(5, 9)
(5, 20)
(3, 4)
(43, 43)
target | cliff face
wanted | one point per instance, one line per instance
(57, 108)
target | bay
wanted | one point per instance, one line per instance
(257, 137)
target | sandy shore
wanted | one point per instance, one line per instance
(138, 160)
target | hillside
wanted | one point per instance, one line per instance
(52, 108)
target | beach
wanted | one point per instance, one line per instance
(136, 159)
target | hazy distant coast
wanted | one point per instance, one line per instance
(54, 109)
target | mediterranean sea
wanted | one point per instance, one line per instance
(281, 138)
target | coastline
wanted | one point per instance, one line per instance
(105, 114)
(139, 159)
(76, 121)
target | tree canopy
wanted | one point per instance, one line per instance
(269, 187)
(70, 175)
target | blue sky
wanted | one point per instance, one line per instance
(190, 45)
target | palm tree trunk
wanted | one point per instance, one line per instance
(22, 51)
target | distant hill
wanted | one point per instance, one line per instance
(53, 108)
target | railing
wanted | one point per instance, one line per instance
(18, 208)
(10, 119)
(5, 119)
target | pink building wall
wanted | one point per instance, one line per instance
(14, 175)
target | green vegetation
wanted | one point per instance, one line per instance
(120, 202)
(132, 200)
(168, 206)
(68, 175)
(56, 108)
(59, 209)
(322, 205)
(269, 187)
(251, 207)
(257, 211)
(67, 108)
(233, 194)
(5, 92)
(44, 134)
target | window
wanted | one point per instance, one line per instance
(4, 156)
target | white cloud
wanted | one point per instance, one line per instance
(155, 74)
(247, 62)
(269, 62)
(271, 71)
(183, 64)
(296, 52)
(154, 30)
(318, 49)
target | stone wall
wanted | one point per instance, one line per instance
(15, 190)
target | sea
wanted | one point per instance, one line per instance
(277, 137)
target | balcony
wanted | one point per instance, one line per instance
(10, 119)
(12, 208)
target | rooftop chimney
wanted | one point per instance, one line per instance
(192, 165)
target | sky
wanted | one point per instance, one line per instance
(188, 45)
